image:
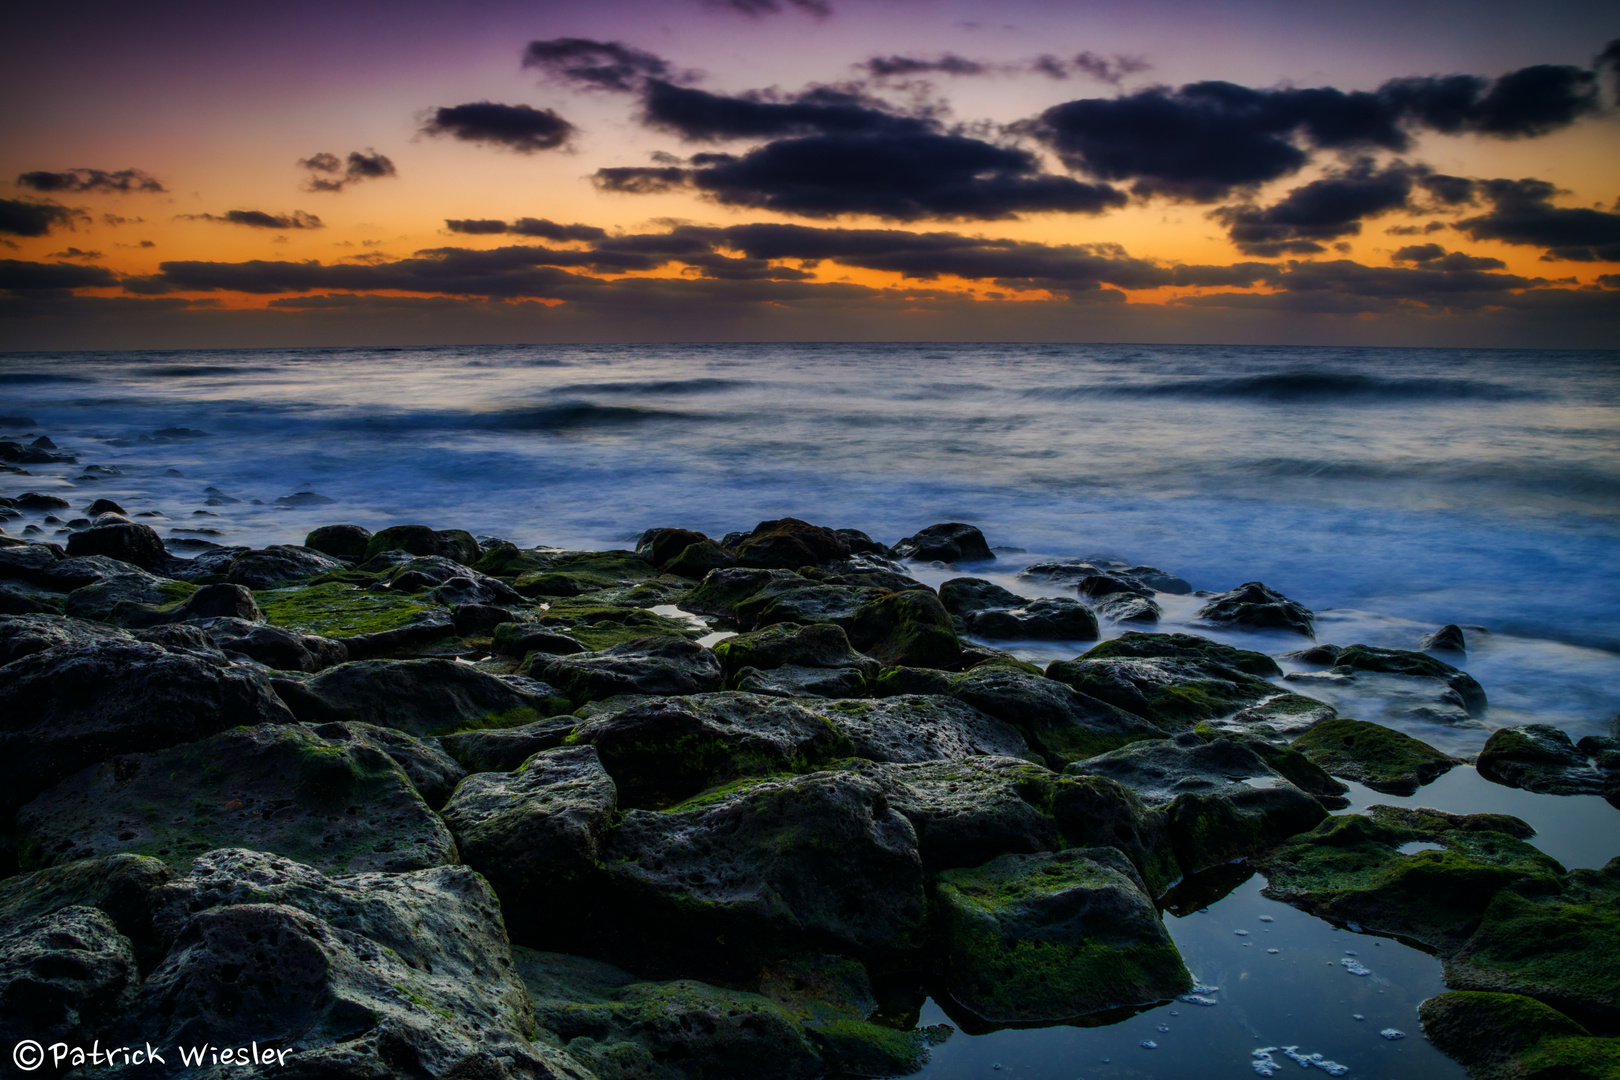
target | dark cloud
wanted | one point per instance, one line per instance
(1522, 213)
(516, 127)
(1204, 140)
(1609, 60)
(1449, 190)
(903, 177)
(78, 181)
(504, 272)
(22, 217)
(596, 65)
(701, 116)
(75, 253)
(1109, 69)
(1415, 230)
(18, 276)
(116, 220)
(258, 219)
(332, 173)
(1320, 211)
(540, 227)
(757, 8)
(1435, 257)
(893, 67)
(1350, 288)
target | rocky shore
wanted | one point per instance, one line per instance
(419, 803)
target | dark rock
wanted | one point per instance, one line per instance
(803, 601)
(522, 638)
(1356, 658)
(950, 542)
(1047, 619)
(861, 544)
(24, 635)
(504, 749)
(120, 886)
(653, 665)
(910, 628)
(432, 772)
(16, 603)
(215, 560)
(787, 544)
(910, 728)
(468, 589)
(138, 545)
(1373, 755)
(1539, 758)
(222, 601)
(1061, 723)
(183, 638)
(279, 563)
(346, 542)
(1172, 680)
(64, 975)
(104, 506)
(772, 868)
(422, 697)
(1448, 639)
(1158, 580)
(422, 541)
(273, 646)
(1128, 607)
(36, 500)
(965, 595)
(1252, 606)
(698, 559)
(1285, 714)
(659, 546)
(25, 562)
(536, 834)
(1100, 585)
(337, 802)
(722, 590)
(67, 707)
(1058, 572)
(793, 681)
(303, 500)
(1051, 936)
(130, 597)
(422, 630)
(667, 749)
(570, 573)
(1397, 700)
(821, 645)
(1512, 1037)
(474, 620)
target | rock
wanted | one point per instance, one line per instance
(1512, 1037)
(1539, 758)
(659, 546)
(373, 975)
(667, 749)
(25, 561)
(1060, 572)
(70, 706)
(120, 886)
(803, 601)
(63, 975)
(1055, 935)
(1172, 680)
(1252, 606)
(1047, 619)
(653, 665)
(420, 540)
(138, 545)
(911, 727)
(1059, 722)
(787, 544)
(451, 583)
(1403, 701)
(335, 802)
(432, 772)
(1447, 639)
(36, 500)
(1101, 584)
(183, 638)
(1158, 580)
(1373, 755)
(213, 560)
(1559, 947)
(24, 635)
(965, 595)
(910, 628)
(1417, 873)
(1225, 802)
(277, 564)
(951, 542)
(478, 620)
(423, 697)
(1285, 714)
(130, 597)
(819, 645)
(227, 601)
(773, 868)
(792, 681)
(522, 638)
(504, 749)
(696, 560)
(570, 573)
(272, 646)
(346, 542)
(303, 500)
(1357, 658)
(621, 1028)
(104, 506)
(722, 590)
(1128, 607)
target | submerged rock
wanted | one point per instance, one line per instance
(1357, 658)
(951, 542)
(1541, 758)
(1447, 639)
(916, 727)
(1128, 607)
(653, 665)
(965, 595)
(1253, 606)
(1051, 936)
(1285, 714)
(1373, 755)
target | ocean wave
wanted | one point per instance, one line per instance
(656, 388)
(573, 416)
(26, 378)
(1303, 387)
(197, 371)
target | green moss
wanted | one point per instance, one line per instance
(1186, 647)
(861, 1048)
(174, 592)
(570, 573)
(1383, 759)
(509, 718)
(1573, 1058)
(336, 610)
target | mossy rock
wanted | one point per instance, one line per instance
(832, 997)
(1184, 647)
(722, 590)
(570, 573)
(822, 645)
(1351, 868)
(799, 600)
(1543, 759)
(1172, 680)
(504, 559)
(1511, 1037)
(421, 540)
(910, 628)
(1415, 664)
(1053, 936)
(1371, 754)
(336, 610)
(598, 621)
(1059, 722)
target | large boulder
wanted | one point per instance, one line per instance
(70, 706)
(346, 542)
(721, 590)
(65, 974)
(1061, 723)
(949, 542)
(1543, 759)
(965, 595)
(1052, 618)
(421, 540)
(274, 646)
(422, 697)
(801, 600)
(432, 772)
(536, 834)
(667, 749)
(652, 665)
(659, 546)
(504, 749)
(919, 727)
(1358, 658)
(1253, 606)
(278, 563)
(762, 870)
(910, 628)
(336, 802)
(820, 645)
(1513, 1037)
(24, 635)
(788, 544)
(1172, 680)
(120, 886)
(1055, 935)
(1373, 755)
(124, 597)
(126, 541)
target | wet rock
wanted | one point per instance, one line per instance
(37, 500)
(667, 749)
(478, 620)
(25, 561)
(504, 749)
(1047, 619)
(820, 645)
(1373, 755)
(127, 597)
(659, 546)
(1398, 700)
(1253, 606)
(422, 697)
(183, 638)
(787, 544)
(1512, 1037)
(303, 500)
(335, 802)
(1447, 639)
(16, 603)
(1358, 658)
(793, 680)
(1051, 936)
(522, 638)
(1172, 680)
(138, 545)
(722, 590)
(950, 542)
(1059, 572)
(24, 635)
(653, 665)
(1060, 723)
(346, 542)
(1158, 580)
(696, 560)
(1128, 607)
(1418, 873)
(772, 868)
(913, 727)
(272, 646)
(120, 886)
(1285, 714)
(965, 595)
(63, 975)
(570, 573)
(277, 564)
(70, 706)
(536, 834)
(371, 975)
(422, 541)
(432, 772)
(213, 560)
(803, 601)
(104, 506)
(910, 628)
(1539, 758)
(221, 601)
(1224, 800)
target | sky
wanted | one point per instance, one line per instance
(1434, 172)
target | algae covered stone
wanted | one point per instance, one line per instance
(1512, 1037)
(1052, 936)
(1060, 722)
(424, 697)
(649, 665)
(1371, 754)
(910, 627)
(1254, 606)
(1173, 680)
(63, 975)
(1540, 758)
(919, 727)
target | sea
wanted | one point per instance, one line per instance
(1392, 491)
